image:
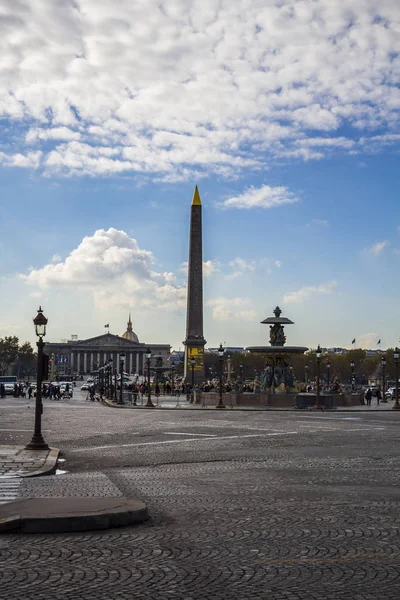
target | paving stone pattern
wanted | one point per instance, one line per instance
(307, 509)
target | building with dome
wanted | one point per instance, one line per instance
(86, 356)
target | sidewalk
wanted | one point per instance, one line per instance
(15, 461)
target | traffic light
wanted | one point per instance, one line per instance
(45, 366)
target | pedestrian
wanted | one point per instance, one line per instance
(378, 396)
(157, 390)
(29, 391)
(368, 396)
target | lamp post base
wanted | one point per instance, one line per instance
(149, 404)
(220, 405)
(396, 406)
(37, 443)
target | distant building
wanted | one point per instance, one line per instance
(228, 350)
(86, 356)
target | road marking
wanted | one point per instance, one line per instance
(9, 487)
(225, 437)
(188, 433)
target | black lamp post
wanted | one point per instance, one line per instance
(241, 371)
(149, 403)
(352, 375)
(383, 361)
(173, 380)
(328, 379)
(37, 442)
(109, 365)
(306, 373)
(192, 365)
(221, 367)
(318, 354)
(396, 404)
(121, 374)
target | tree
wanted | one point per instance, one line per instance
(8, 352)
(26, 360)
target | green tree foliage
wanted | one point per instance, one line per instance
(9, 346)
(26, 360)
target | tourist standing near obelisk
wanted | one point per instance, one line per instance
(195, 342)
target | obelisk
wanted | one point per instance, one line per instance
(195, 342)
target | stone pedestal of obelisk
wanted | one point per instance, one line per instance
(195, 342)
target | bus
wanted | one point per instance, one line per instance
(9, 382)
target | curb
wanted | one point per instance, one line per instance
(246, 409)
(65, 515)
(49, 467)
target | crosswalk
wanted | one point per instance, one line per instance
(9, 488)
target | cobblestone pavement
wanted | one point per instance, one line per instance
(285, 506)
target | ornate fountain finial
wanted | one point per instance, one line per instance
(277, 312)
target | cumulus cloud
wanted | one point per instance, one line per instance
(117, 272)
(263, 197)
(209, 267)
(305, 292)
(225, 309)
(367, 341)
(377, 248)
(182, 88)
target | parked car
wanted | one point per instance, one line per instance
(391, 393)
(85, 387)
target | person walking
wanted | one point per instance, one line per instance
(378, 396)
(368, 396)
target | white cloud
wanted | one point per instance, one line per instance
(264, 197)
(225, 309)
(56, 258)
(377, 248)
(367, 341)
(305, 292)
(172, 89)
(116, 272)
(209, 267)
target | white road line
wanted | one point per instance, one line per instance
(188, 433)
(9, 488)
(226, 437)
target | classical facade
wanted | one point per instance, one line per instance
(86, 356)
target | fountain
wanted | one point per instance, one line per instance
(277, 376)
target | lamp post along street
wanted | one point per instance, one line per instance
(396, 405)
(306, 373)
(115, 384)
(121, 383)
(149, 403)
(221, 367)
(37, 442)
(241, 371)
(173, 380)
(383, 378)
(192, 365)
(352, 375)
(328, 380)
(318, 354)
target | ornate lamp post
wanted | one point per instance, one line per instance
(306, 373)
(318, 354)
(328, 379)
(396, 404)
(192, 365)
(383, 361)
(241, 371)
(221, 352)
(37, 442)
(352, 375)
(121, 374)
(109, 365)
(173, 380)
(149, 403)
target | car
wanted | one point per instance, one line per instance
(63, 388)
(90, 380)
(85, 387)
(390, 394)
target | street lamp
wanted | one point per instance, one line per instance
(396, 405)
(37, 442)
(149, 403)
(109, 376)
(192, 364)
(318, 354)
(328, 366)
(383, 361)
(221, 352)
(352, 375)
(306, 373)
(121, 372)
(173, 380)
(241, 371)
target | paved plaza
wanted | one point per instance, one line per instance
(243, 505)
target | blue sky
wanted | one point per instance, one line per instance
(285, 115)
